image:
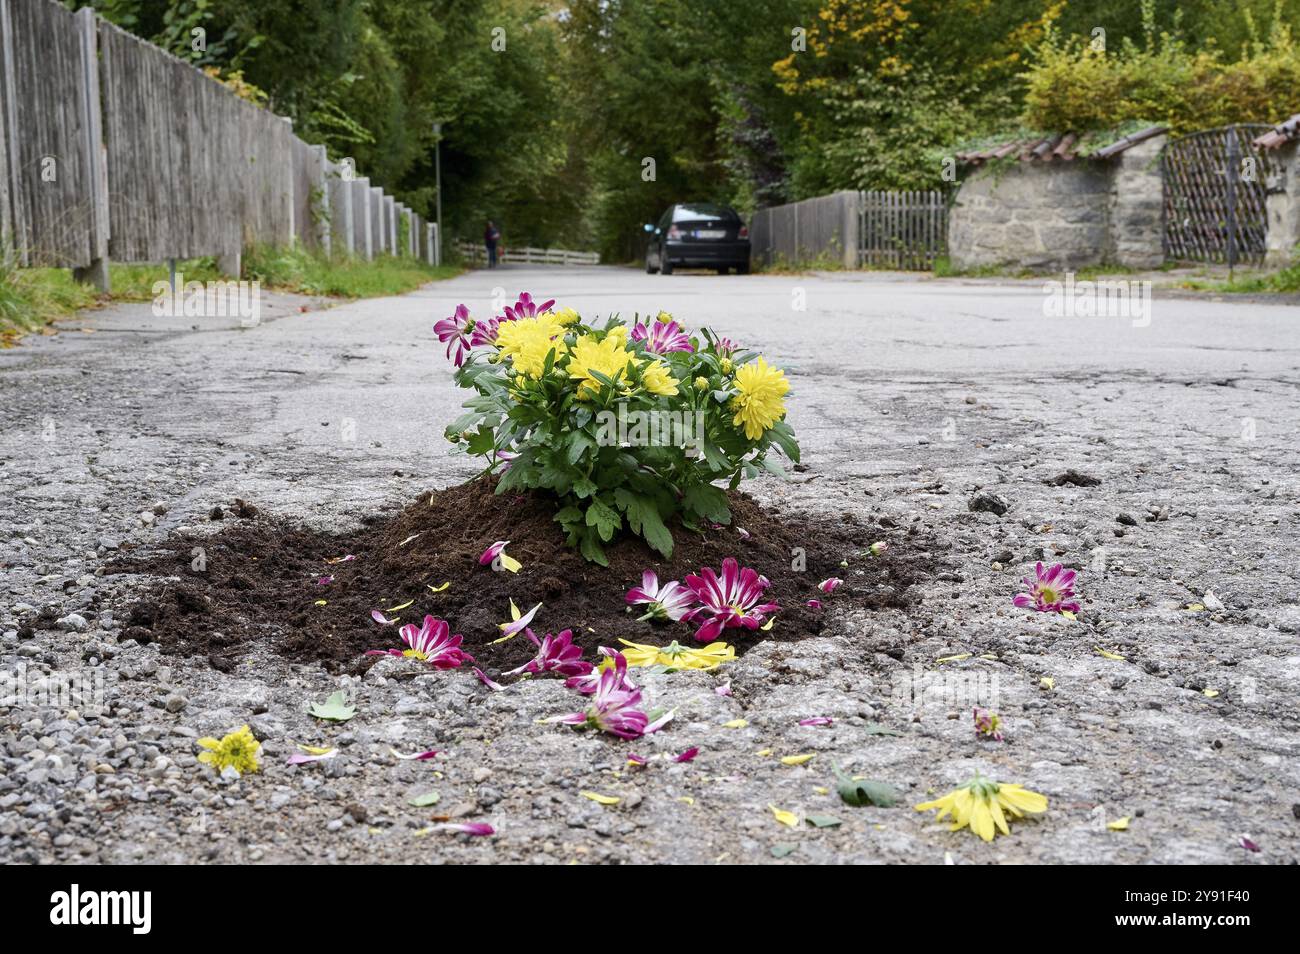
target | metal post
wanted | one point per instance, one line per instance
(437, 165)
(1231, 172)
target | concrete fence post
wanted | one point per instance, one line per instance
(321, 205)
(1282, 207)
(92, 131)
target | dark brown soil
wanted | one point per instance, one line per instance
(259, 581)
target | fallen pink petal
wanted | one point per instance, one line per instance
(814, 604)
(723, 690)
(381, 619)
(688, 755)
(816, 720)
(483, 678)
(829, 585)
(477, 829)
(414, 756)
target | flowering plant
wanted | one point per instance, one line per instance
(627, 425)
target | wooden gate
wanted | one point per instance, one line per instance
(1215, 184)
(905, 230)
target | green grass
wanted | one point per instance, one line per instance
(1283, 280)
(31, 298)
(296, 270)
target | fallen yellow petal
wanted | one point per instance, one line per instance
(763, 753)
(438, 589)
(1109, 655)
(798, 759)
(1068, 615)
(315, 749)
(735, 724)
(687, 799)
(1119, 824)
(322, 603)
(958, 658)
(1047, 682)
(600, 799)
(1195, 607)
(1210, 693)
(394, 609)
(784, 817)
(768, 625)
(821, 790)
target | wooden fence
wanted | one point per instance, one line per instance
(904, 230)
(111, 148)
(475, 253)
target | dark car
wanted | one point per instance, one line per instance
(698, 235)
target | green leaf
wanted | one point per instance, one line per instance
(876, 728)
(783, 849)
(584, 487)
(643, 517)
(569, 515)
(483, 441)
(579, 444)
(592, 550)
(604, 518)
(334, 709)
(865, 792)
(708, 501)
(425, 800)
(823, 821)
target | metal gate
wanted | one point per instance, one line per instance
(1215, 184)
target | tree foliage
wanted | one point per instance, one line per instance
(572, 122)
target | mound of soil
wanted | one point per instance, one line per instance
(261, 580)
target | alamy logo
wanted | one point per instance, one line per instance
(242, 300)
(102, 907)
(1100, 299)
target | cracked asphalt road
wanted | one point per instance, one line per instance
(910, 395)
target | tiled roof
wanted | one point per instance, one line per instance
(1282, 132)
(1058, 147)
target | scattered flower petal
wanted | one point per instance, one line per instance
(600, 799)
(723, 690)
(789, 819)
(437, 589)
(414, 756)
(829, 585)
(1119, 824)
(399, 607)
(798, 759)
(814, 604)
(816, 720)
(498, 550)
(342, 559)
(688, 755)
(477, 829)
(483, 678)
(1247, 843)
(735, 724)
(381, 619)
(1109, 655)
(517, 623)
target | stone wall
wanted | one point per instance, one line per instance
(1283, 206)
(1061, 215)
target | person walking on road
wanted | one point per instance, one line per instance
(491, 235)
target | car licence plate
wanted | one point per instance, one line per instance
(710, 233)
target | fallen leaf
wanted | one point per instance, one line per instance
(859, 792)
(823, 821)
(783, 849)
(875, 728)
(425, 800)
(333, 709)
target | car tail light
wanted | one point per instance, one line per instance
(743, 233)
(674, 233)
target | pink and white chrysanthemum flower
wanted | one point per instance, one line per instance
(555, 653)
(525, 307)
(485, 332)
(662, 337)
(433, 642)
(670, 601)
(613, 707)
(454, 331)
(1050, 591)
(727, 347)
(829, 585)
(589, 682)
(731, 600)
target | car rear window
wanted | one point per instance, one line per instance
(703, 210)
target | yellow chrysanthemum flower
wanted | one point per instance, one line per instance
(609, 356)
(726, 365)
(567, 316)
(663, 317)
(758, 405)
(657, 379)
(677, 656)
(527, 341)
(982, 805)
(238, 750)
(701, 384)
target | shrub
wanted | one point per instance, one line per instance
(1076, 85)
(625, 425)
